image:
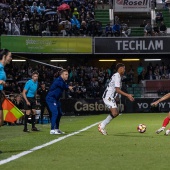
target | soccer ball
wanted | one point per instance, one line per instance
(141, 128)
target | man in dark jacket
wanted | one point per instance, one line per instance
(52, 99)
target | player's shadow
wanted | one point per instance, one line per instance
(132, 134)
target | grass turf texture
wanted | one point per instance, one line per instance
(124, 147)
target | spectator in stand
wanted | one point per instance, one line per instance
(37, 31)
(21, 5)
(116, 30)
(71, 93)
(76, 13)
(83, 14)
(150, 75)
(78, 92)
(34, 7)
(2, 27)
(108, 30)
(91, 29)
(15, 12)
(150, 67)
(95, 4)
(83, 28)
(130, 74)
(7, 24)
(156, 73)
(26, 18)
(75, 25)
(148, 29)
(66, 27)
(94, 88)
(117, 20)
(140, 70)
(14, 28)
(41, 9)
(126, 31)
(22, 12)
(156, 31)
(163, 29)
(167, 2)
(52, 28)
(99, 30)
(159, 17)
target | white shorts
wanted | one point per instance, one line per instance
(110, 103)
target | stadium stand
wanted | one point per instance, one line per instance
(102, 16)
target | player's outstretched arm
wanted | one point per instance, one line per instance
(165, 97)
(129, 96)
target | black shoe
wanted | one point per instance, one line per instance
(26, 130)
(0, 152)
(35, 129)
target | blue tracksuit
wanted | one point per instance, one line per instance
(52, 99)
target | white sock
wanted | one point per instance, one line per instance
(106, 121)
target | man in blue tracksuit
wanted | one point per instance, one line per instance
(52, 99)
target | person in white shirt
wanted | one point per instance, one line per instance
(111, 94)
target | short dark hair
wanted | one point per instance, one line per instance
(62, 71)
(119, 65)
(3, 52)
(35, 72)
(42, 83)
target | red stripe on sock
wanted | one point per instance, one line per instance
(165, 122)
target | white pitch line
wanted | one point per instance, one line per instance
(14, 157)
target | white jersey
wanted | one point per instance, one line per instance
(110, 91)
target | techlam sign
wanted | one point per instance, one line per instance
(132, 5)
(135, 45)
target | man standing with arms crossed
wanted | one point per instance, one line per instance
(111, 94)
(29, 95)
(52, 99)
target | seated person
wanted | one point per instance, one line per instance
(125, 29)
(156, 30)
(83, 28)
(108, 30)
(148, 29)
(163, 29)
(99, 30)
(66, 27)
(116, 30)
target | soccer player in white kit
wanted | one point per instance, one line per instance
(111, 94)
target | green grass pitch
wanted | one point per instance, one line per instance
(124, 148)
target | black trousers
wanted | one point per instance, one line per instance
(42, 108)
